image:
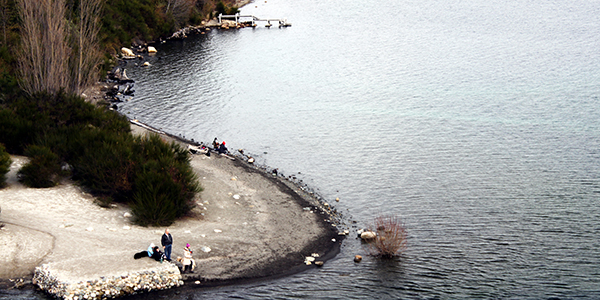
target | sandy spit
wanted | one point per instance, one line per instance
(255, 225)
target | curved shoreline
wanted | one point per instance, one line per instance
(276, 234)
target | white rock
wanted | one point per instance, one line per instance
(126, 227)
(218, 230)
(127, 52)
(127, 215)
(236, 197)
(90, 229)
(151, 49)
(187, 231)
(368, 235)
(205, 249)
(146, 64)
(309, 258)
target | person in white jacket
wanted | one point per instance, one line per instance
(188, 262)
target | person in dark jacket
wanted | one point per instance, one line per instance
(167, 243)
(222, 148)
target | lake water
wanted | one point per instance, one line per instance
(476, 122)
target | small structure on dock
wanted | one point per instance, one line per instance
(253, 19)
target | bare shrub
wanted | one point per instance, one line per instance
(391, 237)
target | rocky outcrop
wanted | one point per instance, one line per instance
(162, 277)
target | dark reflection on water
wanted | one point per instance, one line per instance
(476, 122)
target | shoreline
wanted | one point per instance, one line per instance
(271, 252)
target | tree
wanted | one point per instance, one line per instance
(45, 52)
(48, 62)
(88, 57)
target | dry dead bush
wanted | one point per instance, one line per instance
(391, 237)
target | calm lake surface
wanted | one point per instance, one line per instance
(476, 122)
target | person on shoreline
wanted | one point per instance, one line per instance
(188, 262)
(152, 252)
(215, 144)
(167, 243)
(222, 148)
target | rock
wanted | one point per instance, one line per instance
(368, 235)
(126, 227)
(357, 258)
(146, 64)
(151, 49)
(218, 230)
(319, 263)
(90, 229)
(205, 249)
(251, 160)
(236, 197)
(127, 215)
(309, 258)
(128, 53)
(337, 199)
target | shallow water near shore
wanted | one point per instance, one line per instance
(476, 122)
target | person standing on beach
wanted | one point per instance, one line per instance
(167, 243)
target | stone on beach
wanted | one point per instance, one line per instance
(368, 235)
(127, 53)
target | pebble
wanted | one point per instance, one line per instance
(218, 230)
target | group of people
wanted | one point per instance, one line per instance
(219, 147)
(167, 244)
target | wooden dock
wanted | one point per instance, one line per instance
(253, 20)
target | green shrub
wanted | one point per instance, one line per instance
(43, 170)
(165, 184)
(4, 165)
(15, 132)
(105, 163)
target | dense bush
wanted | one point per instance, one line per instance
(153, 176)
(165, 183)
(391, 237)
(43, 169)
(4, 165)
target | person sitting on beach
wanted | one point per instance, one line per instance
(215, 144)
(152, 252)
(157, 254)
(222, 148)
(188, 262)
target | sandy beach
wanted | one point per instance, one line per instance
(247, 225)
